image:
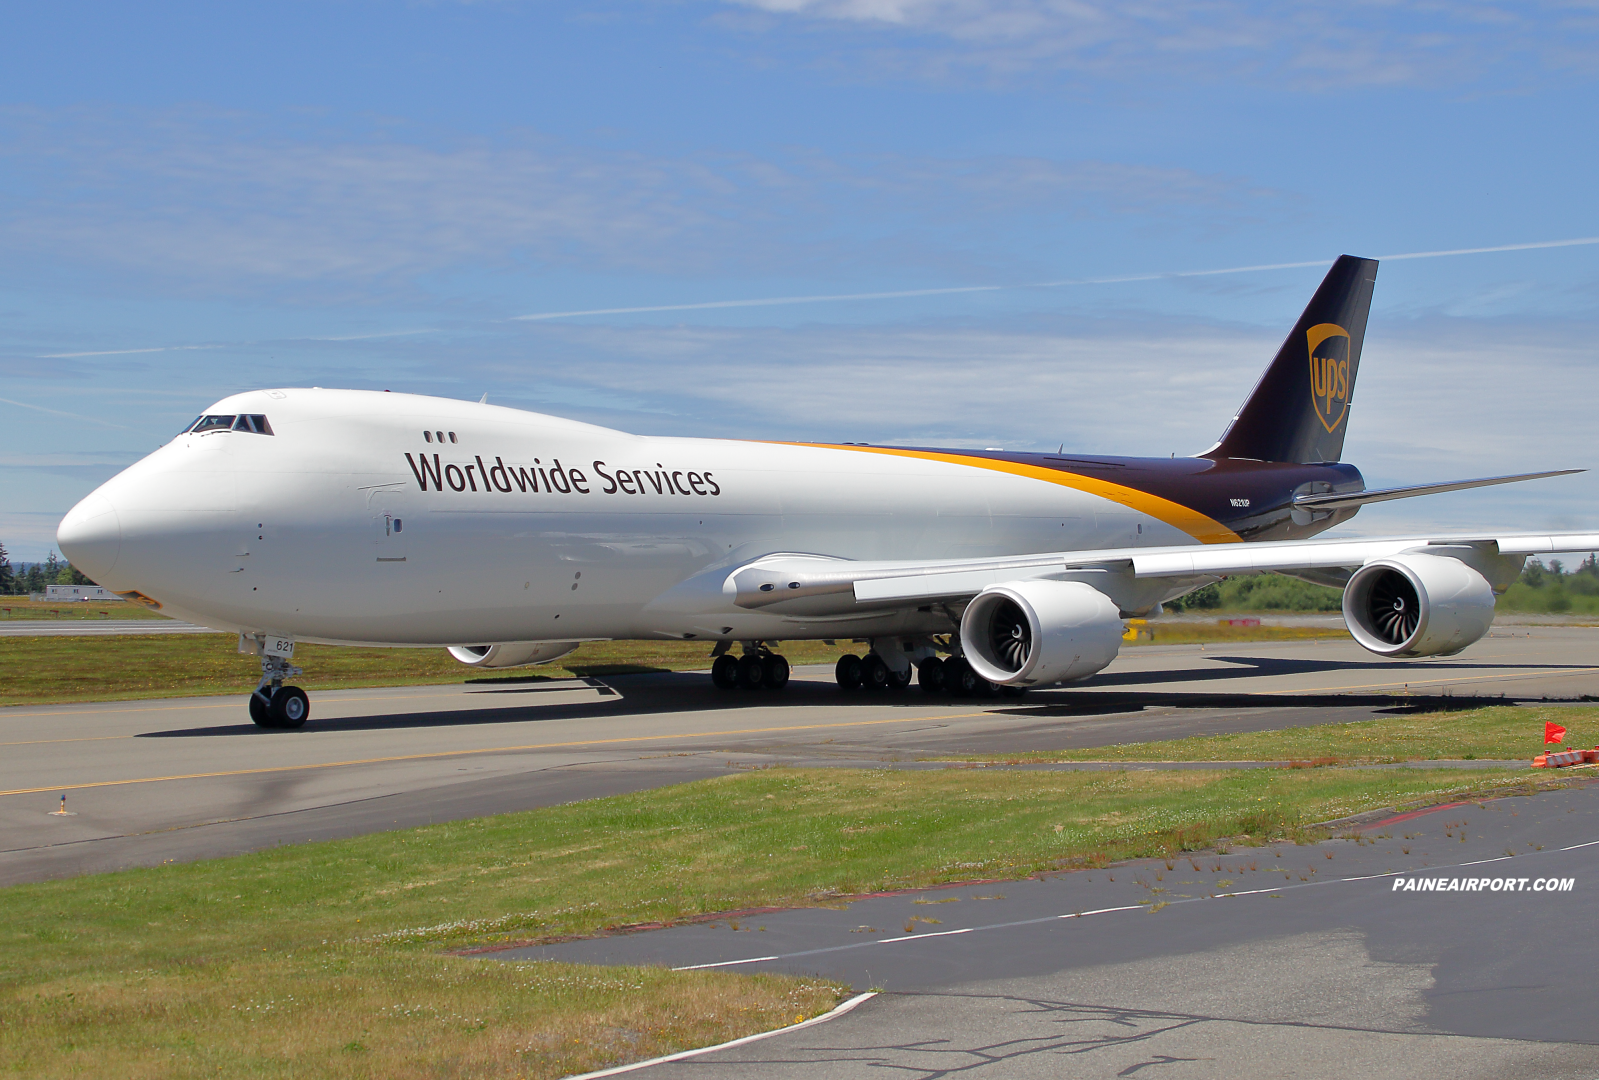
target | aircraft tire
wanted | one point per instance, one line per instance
(899, 680)
(930, 675)
(724, 672)
(751, 672)
(291, 708)
(875, 674)
(959, 678)
(775, 673)
(848, 671)
(261, 711)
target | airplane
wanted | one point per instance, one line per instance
(352, 517)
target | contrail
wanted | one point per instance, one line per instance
(776, 301)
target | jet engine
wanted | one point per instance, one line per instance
(520, 654)
(1040, 632)
(1417, 605)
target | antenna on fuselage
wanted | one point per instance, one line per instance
(484, 400)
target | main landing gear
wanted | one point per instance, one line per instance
(953, 676)
(274, 705)
(869, 672)
(758, 667)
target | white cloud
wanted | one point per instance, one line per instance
(215, 206)
(1436, 400)
(1303, 44)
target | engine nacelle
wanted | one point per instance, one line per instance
(1417, 605)
(1040, 632)
(520, 654)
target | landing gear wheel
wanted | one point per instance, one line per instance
(874, 673)
(724, 672)
(930, 674)
(751, 671)
(959, 678)
(899, 680)
(848, 671)
(775, 673)
(290, 707)
(261, 711)
(1013, 691)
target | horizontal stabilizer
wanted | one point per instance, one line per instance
(1343, 500)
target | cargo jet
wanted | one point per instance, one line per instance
(362, 518)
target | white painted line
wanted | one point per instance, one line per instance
(1276, 890)
(842, 1008)
(1101, 911)
(920, 937)
(725, 963)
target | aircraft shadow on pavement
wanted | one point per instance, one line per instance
(686, 692)
(1292, 666)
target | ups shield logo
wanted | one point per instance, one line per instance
(1330, 383)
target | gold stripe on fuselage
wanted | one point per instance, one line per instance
(1206, 530)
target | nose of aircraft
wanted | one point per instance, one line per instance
(90, 536)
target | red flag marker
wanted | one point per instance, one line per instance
(1553, 733)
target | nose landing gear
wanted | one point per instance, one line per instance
(274, 705)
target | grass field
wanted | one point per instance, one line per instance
(1500, 733)
(45, 670)
(20, 607)
(328, 959)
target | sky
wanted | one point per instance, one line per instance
(197, 199)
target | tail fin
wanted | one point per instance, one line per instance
(1299, 409)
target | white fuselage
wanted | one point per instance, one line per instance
(323, 529)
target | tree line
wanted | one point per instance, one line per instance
(1548, 589)
(24, 578)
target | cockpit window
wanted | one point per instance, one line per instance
(251, 422)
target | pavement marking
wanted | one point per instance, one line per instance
(485, 750)
(837, 1011)
(1275, 890)
(1430, 682)
(86, 738)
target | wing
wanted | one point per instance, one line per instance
(818, 585)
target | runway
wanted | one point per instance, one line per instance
(153, 781)
(1280, 961)
(97, 627)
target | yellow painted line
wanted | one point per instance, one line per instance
(488, 750)
(1206, 530)
(1431, 682)
(87, 738)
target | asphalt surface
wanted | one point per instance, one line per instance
(155, 781)
(1280, 961)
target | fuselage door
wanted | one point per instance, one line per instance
(387, 507)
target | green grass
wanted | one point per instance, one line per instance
(1498, 733)
(20, 607)
(326, 959)
(1161, 632)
